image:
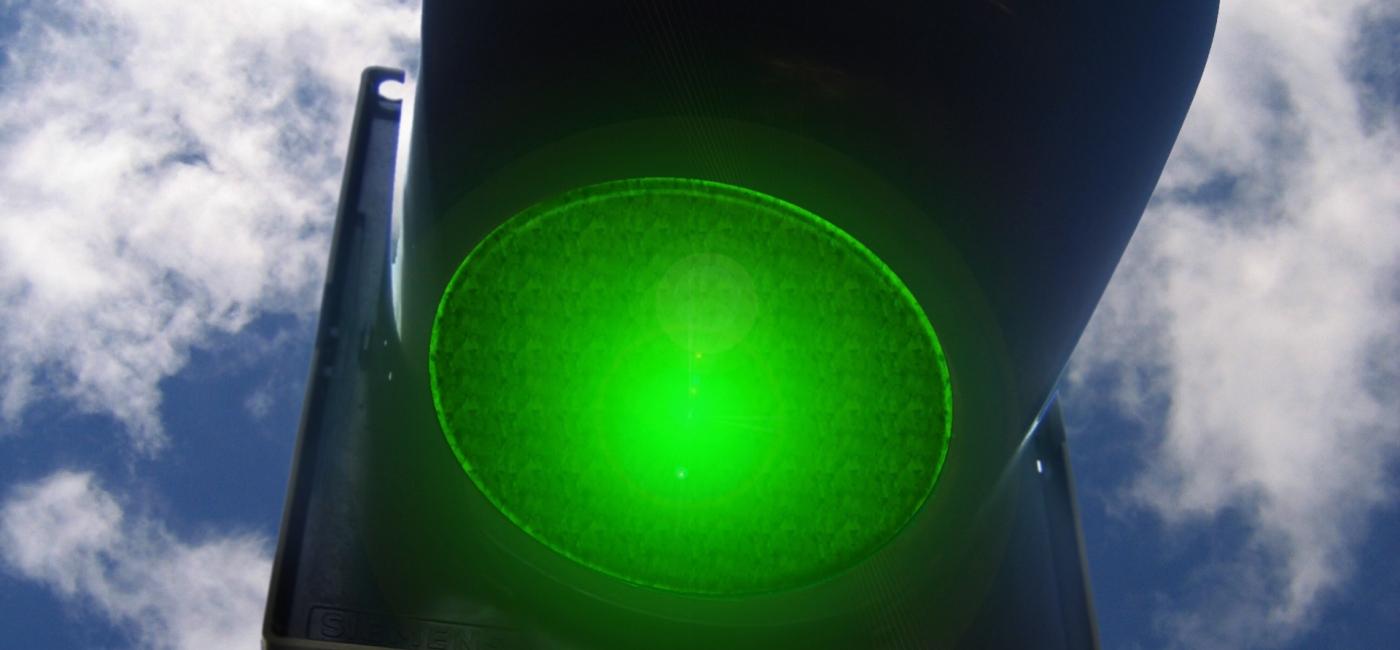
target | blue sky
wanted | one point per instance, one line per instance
(167, 183)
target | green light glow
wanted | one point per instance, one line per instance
(691, 386)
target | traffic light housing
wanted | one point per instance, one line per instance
(723, 325)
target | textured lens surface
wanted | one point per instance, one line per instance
(691, 386)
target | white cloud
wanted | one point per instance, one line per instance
(1259, 302)
(259, 402)
(168, 170)
(71, 535)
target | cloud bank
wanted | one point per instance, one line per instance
(69, 534)
(1260, 303)
(168, 170)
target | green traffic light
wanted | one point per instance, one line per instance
(691, 386)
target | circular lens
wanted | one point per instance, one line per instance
(691, 386)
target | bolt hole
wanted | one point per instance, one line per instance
(391, 89)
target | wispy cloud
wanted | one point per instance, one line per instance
(71, 535)
(1260, 303)
(168, 170)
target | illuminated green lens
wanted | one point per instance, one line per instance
(691, 386)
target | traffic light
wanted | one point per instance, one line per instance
(723, 325)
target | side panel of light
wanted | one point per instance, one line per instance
(691, 386)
